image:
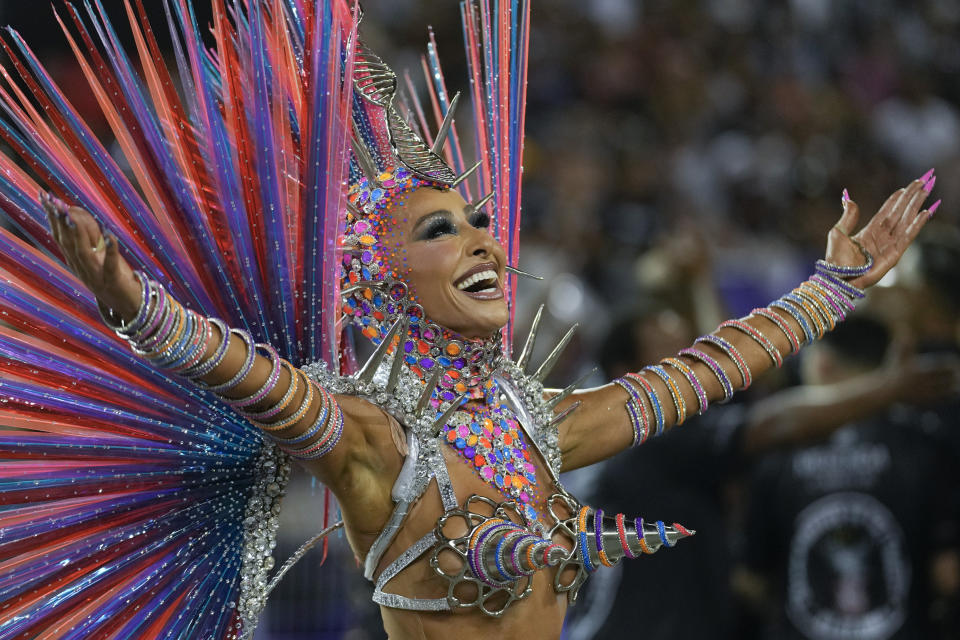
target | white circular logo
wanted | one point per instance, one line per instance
(848, 575)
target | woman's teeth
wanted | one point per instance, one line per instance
(479, 277)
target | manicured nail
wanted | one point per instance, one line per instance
(845, 198)
(929, 186)
(925, 177)
(70, 222)
(934, 207)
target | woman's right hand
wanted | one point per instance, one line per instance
(94, 257)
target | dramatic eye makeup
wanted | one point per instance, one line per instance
(480, 219)
(441, 223)
(434, 225)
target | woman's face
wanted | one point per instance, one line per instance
(453, 266)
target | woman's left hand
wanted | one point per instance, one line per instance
(886, 236)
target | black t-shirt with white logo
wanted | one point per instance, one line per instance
(845, 530)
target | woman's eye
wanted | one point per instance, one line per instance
(439, 227)
(480, 220)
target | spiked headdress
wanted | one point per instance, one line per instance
(376, 299)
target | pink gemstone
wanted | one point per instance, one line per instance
(530, 467)
(487, 473)
(463, 431)
(496, 432)
(524, 497)
(361, 226)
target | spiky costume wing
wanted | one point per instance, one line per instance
(123, 490)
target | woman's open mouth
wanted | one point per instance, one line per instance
(480, 283)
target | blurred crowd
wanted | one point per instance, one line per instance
(684, 161)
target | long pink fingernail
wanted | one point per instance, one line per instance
(934, 207)
(925, 177)
(845, 198)
(929, 186)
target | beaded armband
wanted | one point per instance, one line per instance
(175, 339)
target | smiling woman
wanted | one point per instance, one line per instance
(444, 453)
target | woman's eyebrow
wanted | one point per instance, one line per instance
(427, 216)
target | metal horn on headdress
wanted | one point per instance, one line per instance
(377, 83)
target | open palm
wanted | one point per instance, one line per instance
(885, 236)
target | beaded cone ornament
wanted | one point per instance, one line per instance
(137, 505)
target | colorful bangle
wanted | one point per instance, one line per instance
(652, 397)
(206, 366)
(244, 370)
(675, 394)
(598, 537)
(782, 324)
(582, 529)
(822, 311)
(758, 337)
(326, 444)
(167, 324)
(663, 534)
(196, 349)
(161, 308)
(296, 416)
(189, 322)
(318, 423)
(638, 525)
(851, 291)
(843, 271)
(267, 386)
(637, 412)
(804, 308)
(808, 334)
(622, 532)
(715, 367)
(833, 292)
(828, 299)
(687, 372)
(731, 352)
(292, 388)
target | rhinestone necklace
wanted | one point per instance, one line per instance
(491, 441)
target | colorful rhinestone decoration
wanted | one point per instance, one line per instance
(492, 442)
(375, 295)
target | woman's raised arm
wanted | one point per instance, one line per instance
(324, 432)
(631, 409)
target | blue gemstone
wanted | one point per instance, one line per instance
(499, 480)
(531, 477)
(365, 273)
(377, 194)
(475, 428)
(409, 359)
(444, 361)
(461, 443)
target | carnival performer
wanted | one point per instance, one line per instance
(443, 453)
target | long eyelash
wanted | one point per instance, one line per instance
(438, 227)
(480, 220)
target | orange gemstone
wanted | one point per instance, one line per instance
(367, 239)
(423, 347)
(507, 440)
(460, 387)
(453, 349)
(479, 461)
(451, 435)
(453, 374)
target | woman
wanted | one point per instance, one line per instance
(443, 454)
(438, 241)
